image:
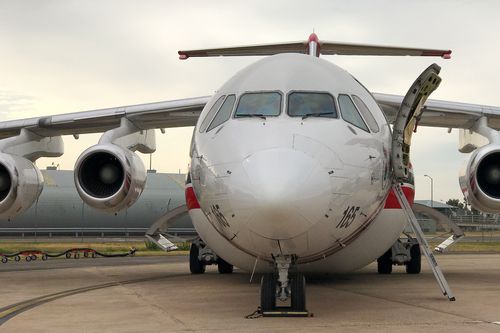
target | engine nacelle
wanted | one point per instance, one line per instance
(480, 179)
(109, 177)
(21, 183)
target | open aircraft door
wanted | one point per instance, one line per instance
(407, 119)
(408, 116)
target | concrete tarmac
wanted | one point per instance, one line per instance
(157, 294)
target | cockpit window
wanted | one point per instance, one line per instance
(224, 113)
(210, 114)
(259, 104)
(350, 113)
(370, 120)
(311, 104)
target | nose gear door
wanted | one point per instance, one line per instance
(409, 114)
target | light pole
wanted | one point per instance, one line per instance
(432, 190)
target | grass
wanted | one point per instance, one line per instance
(143, 248)
(147, 248)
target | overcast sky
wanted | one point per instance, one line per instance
(65, 56)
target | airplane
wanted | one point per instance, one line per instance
(295, 168)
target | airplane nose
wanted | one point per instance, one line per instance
(290, 191)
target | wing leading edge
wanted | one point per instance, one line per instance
(443, 113)
(176, 113)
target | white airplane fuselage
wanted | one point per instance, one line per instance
(314, 187)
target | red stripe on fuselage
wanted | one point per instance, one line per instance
(191, 201)
(392, 202)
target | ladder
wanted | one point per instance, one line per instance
(436, 270)
(164, 243)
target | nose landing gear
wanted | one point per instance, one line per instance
(286, 286)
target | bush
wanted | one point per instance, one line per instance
(151, 246)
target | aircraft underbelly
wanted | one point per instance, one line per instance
(367, 247)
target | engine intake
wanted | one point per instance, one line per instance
(480, 179)
(5, 182)
(488, 175)
(101, 175)
(109, 178)
(21, 183)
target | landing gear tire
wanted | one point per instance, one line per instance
(298, 288)
(268, 292)
(195, 265)
(414, 265)
(224, 267)
(384, 263)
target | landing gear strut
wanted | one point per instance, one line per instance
(200, 255)
(285, 286)
(405, 251)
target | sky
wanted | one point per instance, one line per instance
(67, 55)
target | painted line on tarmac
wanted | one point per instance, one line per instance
(10, 311)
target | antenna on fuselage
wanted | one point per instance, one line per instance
(313, 46)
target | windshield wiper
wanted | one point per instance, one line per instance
(258, 115)
(315, 114)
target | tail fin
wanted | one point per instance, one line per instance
(314, 47)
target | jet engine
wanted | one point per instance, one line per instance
(480, 179)
(109, 177)
(21, 183)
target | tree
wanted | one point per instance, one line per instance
(456, 203)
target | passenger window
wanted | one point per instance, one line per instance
(370, 120)
(350, 113)
(210, 114)
(224, 113)
(259, 104)
(304, 104)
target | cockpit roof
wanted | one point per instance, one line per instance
(288, 72)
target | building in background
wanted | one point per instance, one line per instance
(60, 212)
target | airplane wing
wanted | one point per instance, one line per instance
(176, 113)
(185, 112)
(442, 113)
